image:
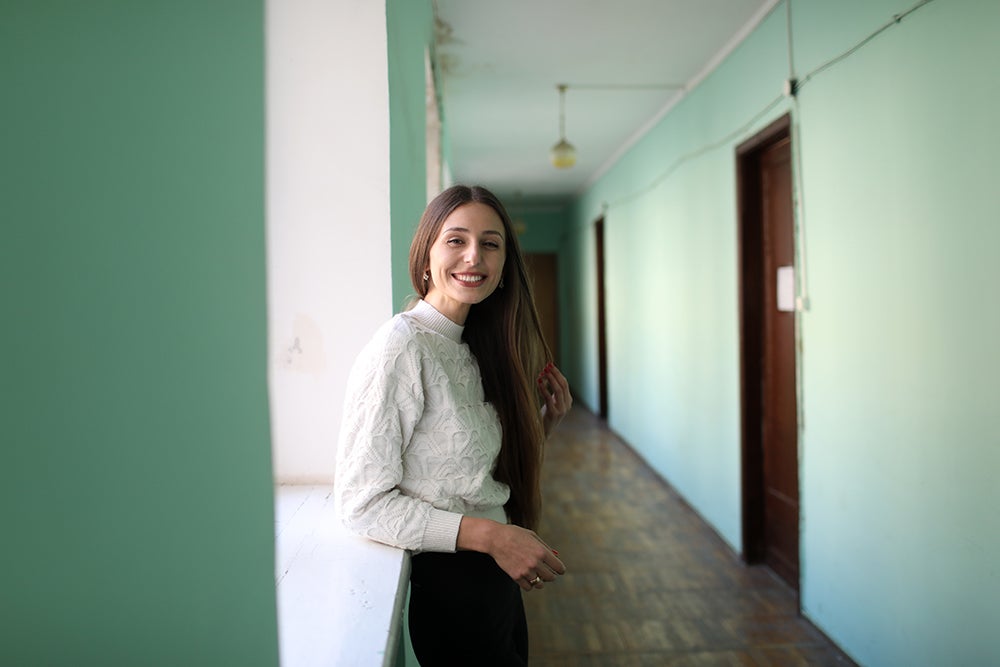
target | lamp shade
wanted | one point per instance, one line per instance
(563, 155)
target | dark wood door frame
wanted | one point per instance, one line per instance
(602, 342)
(751, 250)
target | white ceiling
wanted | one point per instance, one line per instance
(501, 60)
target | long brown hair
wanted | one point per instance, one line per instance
(504, 334)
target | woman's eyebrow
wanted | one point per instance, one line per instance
(463, 229)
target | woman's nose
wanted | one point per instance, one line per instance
(472, 255)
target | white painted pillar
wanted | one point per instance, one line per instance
(328, 248)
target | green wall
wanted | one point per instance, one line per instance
(901, 371)
(544, 228)
(899, 368)
(136, 484)
(410, 26)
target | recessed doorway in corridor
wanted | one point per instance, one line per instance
(768, 352)
(543, 269)
(602, 336)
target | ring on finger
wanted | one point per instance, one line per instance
(537, 580)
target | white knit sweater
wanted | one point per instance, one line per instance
(418, 444)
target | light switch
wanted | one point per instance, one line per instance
(786, 288)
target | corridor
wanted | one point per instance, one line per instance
(648, 582)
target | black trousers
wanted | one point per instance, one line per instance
(465, 610)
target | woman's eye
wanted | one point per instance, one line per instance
(492, 245)
(454, 241)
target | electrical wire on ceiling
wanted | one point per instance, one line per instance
(563, 154)
(896, 19)
(788, 36)
(747, 126)
(792, 88)
(625, 86)
(732, 136)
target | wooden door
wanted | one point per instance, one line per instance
(770, 409)
(543, 269)
(779, 420)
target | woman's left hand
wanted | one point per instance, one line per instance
(554, 388)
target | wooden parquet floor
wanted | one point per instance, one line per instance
(648, 582)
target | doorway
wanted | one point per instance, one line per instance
(602, 342)
(770, 461)
(543, 270)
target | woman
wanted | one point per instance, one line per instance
(446, 412)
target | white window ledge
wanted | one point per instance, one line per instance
(340, 597)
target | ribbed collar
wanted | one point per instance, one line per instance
(431, 317)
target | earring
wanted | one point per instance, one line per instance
(426, 276)
(501, 283)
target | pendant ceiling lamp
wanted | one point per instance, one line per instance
(563, 155)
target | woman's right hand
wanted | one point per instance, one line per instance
(519, 552)
(554, 387)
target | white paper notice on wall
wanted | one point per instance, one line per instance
(786, 288)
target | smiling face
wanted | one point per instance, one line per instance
(466, 260)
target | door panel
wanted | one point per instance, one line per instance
(779, 436)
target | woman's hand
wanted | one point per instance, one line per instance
(555, 390)
(519, 552)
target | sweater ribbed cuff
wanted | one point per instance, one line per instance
(441, 532)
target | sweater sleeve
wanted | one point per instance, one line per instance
(383, 403)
